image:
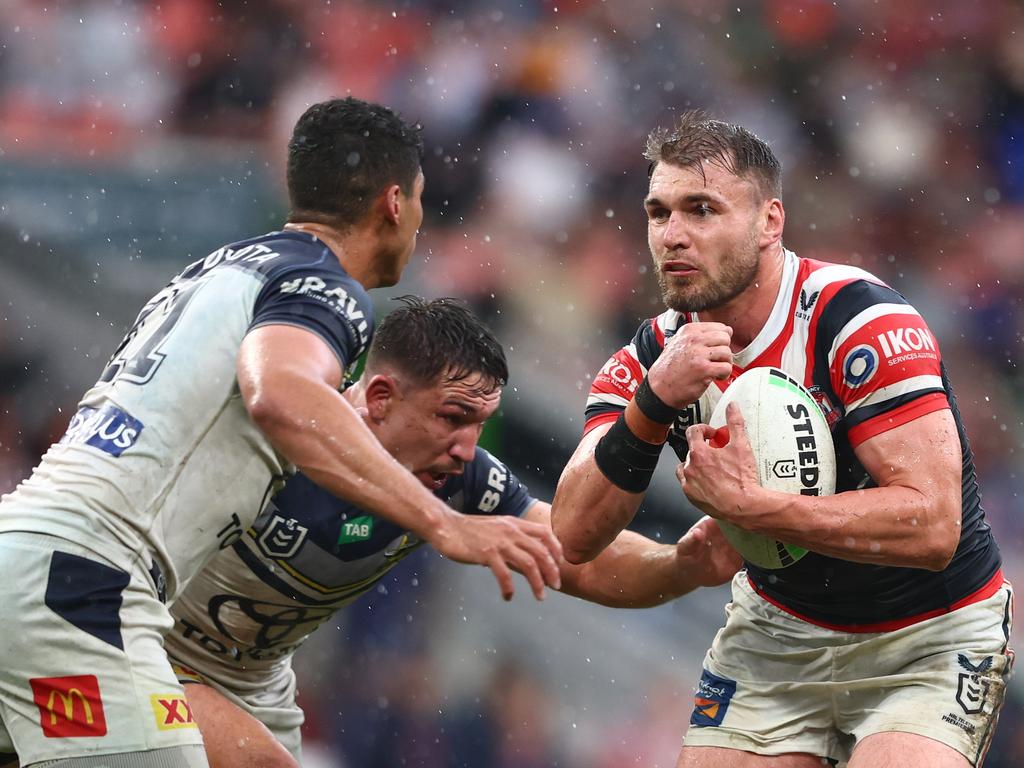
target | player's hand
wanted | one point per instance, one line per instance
(704, 556)
(720, 473)
(697, 355)
(503, 543)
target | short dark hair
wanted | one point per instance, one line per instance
(425, 340)
(697, 137)
(343, 153)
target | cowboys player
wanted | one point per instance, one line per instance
(226, 383)
(433, 376)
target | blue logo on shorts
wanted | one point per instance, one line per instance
(108, 428)
(712, 700)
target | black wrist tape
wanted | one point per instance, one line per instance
(652, 406)
(626, 460)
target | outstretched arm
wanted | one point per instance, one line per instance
(289, 379)
(637, 572)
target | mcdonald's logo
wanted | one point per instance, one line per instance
(171, 711)
(69, 707)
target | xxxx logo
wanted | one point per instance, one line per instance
(171, 711)
(69, 707)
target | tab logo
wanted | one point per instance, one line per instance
(356, 529)
(171, 711)
(108, 428)
(69, 707)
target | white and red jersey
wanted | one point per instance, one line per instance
(869, 359)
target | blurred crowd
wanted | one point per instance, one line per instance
(900, 127)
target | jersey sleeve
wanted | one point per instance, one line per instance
(616, 383)
(884, 363)
(328, 302)
(491, 489)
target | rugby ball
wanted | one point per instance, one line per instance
(792, 444)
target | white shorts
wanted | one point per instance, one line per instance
(82, 666)
(773, 683)
(273, 704)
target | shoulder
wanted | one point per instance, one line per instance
(487, 486)
(834, 295)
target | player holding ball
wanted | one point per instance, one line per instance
(886, 643)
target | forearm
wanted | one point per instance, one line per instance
(588, 511)
(320, 432)
(632, 572)
(891, 525)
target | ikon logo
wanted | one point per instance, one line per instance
(69, 707)
(171, 711)
(784, 468)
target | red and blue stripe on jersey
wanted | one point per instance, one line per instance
(872, 363)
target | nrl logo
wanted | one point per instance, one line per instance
(972, 688)
(282, 538)
(689, 416)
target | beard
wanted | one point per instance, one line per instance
(737, 270)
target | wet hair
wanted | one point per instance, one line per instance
(425, 340)
(342, 154)
(697, 137)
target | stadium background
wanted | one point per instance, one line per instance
(138, 136)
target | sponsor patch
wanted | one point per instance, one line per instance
(825, 403)
(69, 707)
(336, 297)
(807, 302)
(859, 365)
(108, 428)
(356, 529)
(171, 711)
(186, 674)
(712, 700)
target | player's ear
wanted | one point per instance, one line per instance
(391, 203)
(381, 390)
(774, 218)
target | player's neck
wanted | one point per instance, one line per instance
(348, 248)
(748, 312)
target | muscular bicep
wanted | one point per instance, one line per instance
(922, 455)
(588, 443)
(272, 357)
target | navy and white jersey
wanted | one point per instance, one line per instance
(162, 461)
(872, 364)
(307, 555)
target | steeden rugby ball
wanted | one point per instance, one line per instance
(792, 444)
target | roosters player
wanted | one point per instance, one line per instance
(887, 643)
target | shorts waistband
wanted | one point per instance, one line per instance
(986, 591)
